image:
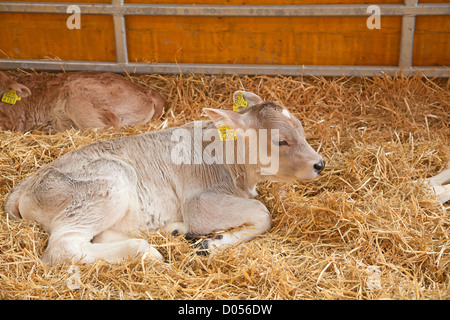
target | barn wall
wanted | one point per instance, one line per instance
(257, 40)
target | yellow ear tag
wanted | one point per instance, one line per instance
(226, 133)
(11, 97)
(239, 102)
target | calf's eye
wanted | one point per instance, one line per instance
(281, 143)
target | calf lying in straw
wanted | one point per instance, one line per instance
(81, 100)
(193, 179)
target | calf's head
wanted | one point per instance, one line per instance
(280, 131)
(6, 84)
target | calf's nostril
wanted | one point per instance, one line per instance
(319, 166)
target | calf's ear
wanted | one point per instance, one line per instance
(21, 90)
(250, 98)
(232, 119)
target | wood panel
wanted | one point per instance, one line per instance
(266, 2)
(257, 40)
(252, 40)
(434, 1)
(431, 41)
(63, 1)
(37, 36)
(239, 2)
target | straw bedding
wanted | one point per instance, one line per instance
(363, 230)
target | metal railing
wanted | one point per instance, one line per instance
(408, 10)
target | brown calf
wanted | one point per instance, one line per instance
(81, 100)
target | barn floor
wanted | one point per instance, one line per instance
(363, 230)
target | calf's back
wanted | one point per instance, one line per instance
(82, 100)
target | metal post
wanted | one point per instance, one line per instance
(329, 10)
(120, 34)
(407, 37)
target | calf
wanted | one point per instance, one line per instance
(439, 185)
(81, 100)
(184, 179)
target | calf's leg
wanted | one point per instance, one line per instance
(212, 212)
(440, 185)
(85, 114)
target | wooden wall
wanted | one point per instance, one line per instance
(253, 40)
